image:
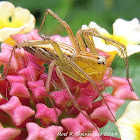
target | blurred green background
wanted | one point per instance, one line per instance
(79, 12)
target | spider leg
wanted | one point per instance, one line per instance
(8, 66)
(51, 66)
(81, 41)
(60, 75)
(88, 78)
(121, 47)
(33, 45)
(65, 25)
(88, 40)
(27, 45)
(50, 70)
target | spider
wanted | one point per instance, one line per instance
(75, 62)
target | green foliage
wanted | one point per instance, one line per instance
(1, 70)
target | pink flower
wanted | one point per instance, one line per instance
(27, 102)
(18, 86)
(18, 112)
(47, 114)
(121, 89)
(102, 112)
(36, 132)
(58, 38)
(37, 88)
(79, 124)
(8, 133)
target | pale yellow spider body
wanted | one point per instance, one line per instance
(92, 64)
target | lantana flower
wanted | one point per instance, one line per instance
(129, 123)
(24, 89)
(26, 111)
(125, 32)
(14, 20)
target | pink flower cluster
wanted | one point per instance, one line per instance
(27, 113)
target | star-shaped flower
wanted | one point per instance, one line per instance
(35, 132)
(47, 114)
(18, 112)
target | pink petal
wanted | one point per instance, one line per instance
(99, 122)
(74, 85)
(60, 97)
(107, 55)
(103, 113)
(121, 89)
(18, 87)
(29, 73)
(18, 112)
(87, 96)
(36, 132)
(34, 62)
(8, 133)
(16, 62)
(78, 124)
(38, 88)
(58, 38)
(5, 55)
(33, 69)
(33, 35)
(47, 114)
